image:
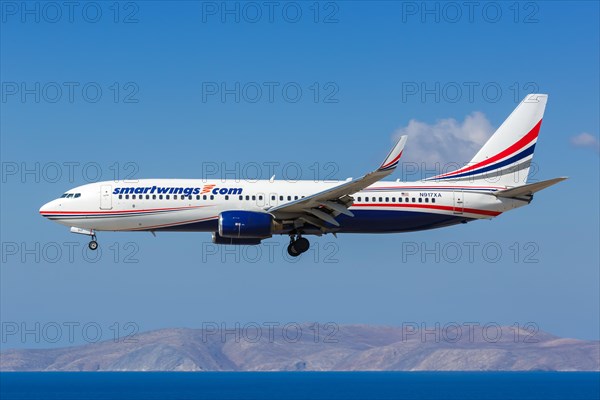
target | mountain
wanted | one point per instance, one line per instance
(330, 348)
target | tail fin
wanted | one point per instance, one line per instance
(506, 157)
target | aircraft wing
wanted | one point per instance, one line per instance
(322, 207)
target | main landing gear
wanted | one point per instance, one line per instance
(298, 245)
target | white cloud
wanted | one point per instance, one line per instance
(447, 140)
(586, 140)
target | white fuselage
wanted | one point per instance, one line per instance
(195, 204)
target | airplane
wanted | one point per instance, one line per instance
(245, 213)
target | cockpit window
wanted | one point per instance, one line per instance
(69, 195)
(63, 196)
(77, 195)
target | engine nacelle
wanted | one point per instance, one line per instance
(218, 239)
(241, 224)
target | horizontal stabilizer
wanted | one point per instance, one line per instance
(529, 189)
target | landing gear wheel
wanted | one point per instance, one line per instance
(93, 245)
(301, 245)
(297, 246)
(292, 250)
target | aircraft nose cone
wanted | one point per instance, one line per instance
(44, 210)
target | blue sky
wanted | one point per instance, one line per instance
(357, 66)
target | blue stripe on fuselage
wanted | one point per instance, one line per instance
(364, 221)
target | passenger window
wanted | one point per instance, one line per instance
(433, 200)
(413, 199)
(406, 199)
(393, 199)
(160, 196)
(289, 198)
(153, 197)
(295, 197)
(175, 197)
(197, 197)
(126, 197)
(381, 199)
(133, 197)
(374, 199)
(167, 197)
(226, 197)
(253, 197)
(280, 198)
(241, 197)
(399, 199)
(366, 199)
(359, 200)
(212, 197)
(260, 197)
(420, 199)
(120, 196)
(147, 197)
(426, 199)
(387, 199)
(204, 197)
(273, 198)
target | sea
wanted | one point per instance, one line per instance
(300, 385)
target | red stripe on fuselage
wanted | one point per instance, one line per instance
(111, 212)
(436, 207)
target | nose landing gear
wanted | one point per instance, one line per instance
(93, 244)
(298, 245)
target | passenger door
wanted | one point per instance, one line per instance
(106, 197)
(459, 202)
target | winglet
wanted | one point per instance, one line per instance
(391, 161)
